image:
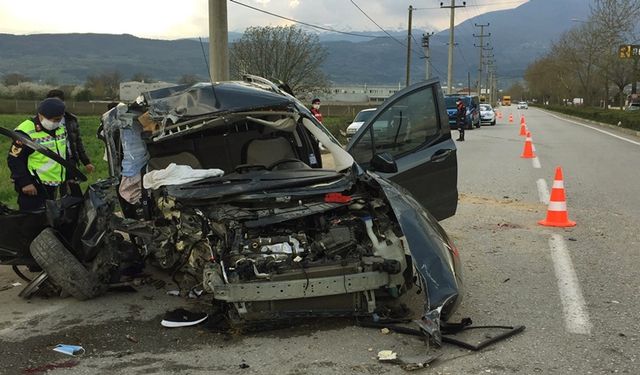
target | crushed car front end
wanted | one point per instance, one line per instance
(277, 233)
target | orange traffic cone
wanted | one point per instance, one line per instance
(527, 153)
(510, 118)
(523, 130)
(557, 215)
(499, 115)
(522, 119)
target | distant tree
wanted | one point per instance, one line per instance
(104, 85)
(189, 79)
(516, 91)
(616, 22)
(51, 81)
(284, 52)
(83, 95)
(142, 77)
(13, 79)
(26, 93)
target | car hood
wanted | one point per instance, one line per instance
(355, 125)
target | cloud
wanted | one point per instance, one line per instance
(170, 19)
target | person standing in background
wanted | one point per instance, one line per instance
(315, 109)
(461, 116)
(78, 154)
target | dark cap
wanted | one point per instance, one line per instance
(56, 93)
(51, 107)
(314, 101)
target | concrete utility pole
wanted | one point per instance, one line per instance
(481, 46)
(489, 60)
(409, 47)
(218, 41)
(453, 7)
(427, 55)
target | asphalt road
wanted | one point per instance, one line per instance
(575, 289)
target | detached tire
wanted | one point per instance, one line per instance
(62, 267)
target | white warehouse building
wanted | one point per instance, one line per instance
(129, 91)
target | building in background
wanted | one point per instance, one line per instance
(129, 91)
(360, 93)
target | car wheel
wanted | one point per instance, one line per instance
(63, 268)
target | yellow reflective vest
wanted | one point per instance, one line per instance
(49, 171)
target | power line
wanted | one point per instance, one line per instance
(462, 54)
(477, 5)
(434, 68)
(375, 23)
(305, 23)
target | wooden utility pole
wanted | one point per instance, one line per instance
(218, 41)
(409, 47)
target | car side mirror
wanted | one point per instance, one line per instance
(383, 162)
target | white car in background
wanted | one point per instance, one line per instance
(522, 105)
(487, 114)
(357, 122)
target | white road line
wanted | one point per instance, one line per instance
(596, 129)
(575, 312)
(543, 191)
(536, 163)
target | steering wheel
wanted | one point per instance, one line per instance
(285, 161)
(244, 168)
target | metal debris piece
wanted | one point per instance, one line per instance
(131, 338)
(387, 356)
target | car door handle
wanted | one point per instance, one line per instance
(440, 155)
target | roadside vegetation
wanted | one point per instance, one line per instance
(629, 120)
(95, 149)
(585, 63)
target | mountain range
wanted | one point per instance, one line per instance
(518, 36)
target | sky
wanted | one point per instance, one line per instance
(175, 19)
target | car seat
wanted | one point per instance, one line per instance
(266, 151)
(182, 158)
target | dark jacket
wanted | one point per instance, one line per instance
(461, 114)
(76, 147)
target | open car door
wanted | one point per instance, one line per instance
(408, 141)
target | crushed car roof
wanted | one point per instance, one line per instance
(207, 98)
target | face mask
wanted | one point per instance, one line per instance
(316, 106)
(49, 125)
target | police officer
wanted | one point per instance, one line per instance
(36, 176)
(461, 115)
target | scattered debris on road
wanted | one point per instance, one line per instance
(9, 286)
(72, 350)
(133, 339)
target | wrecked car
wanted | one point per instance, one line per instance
(239, 201)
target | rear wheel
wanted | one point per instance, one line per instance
(63, 268)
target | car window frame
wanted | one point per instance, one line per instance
(427, 85)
